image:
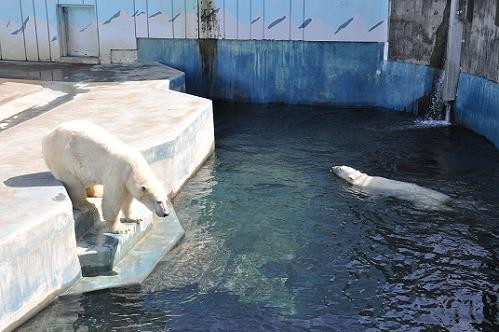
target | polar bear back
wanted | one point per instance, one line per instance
(87, 152)
(403, 190)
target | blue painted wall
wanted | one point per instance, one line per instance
(293, 72)
(297, 72)
(477, 106)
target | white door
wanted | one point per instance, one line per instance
(81, 31)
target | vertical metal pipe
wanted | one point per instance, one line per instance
(453, 57)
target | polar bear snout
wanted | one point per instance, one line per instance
(335, 169)
(160, 209)
(340, 171)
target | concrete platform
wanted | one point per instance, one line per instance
(28, 89)
(38, 248)
(10, 90)
(28, 97)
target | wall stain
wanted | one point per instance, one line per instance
(208, 52)
(437, 59)
(210, 24)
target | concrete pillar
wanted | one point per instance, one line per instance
(453, 54)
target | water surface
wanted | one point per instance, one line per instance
(275, 242)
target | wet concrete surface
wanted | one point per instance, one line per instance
(65, 72)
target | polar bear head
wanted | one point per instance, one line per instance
(148, 190)
(154, 197)
(347, 173)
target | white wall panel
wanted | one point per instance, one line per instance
(257, 19)
(179, 19)
(298, 20)
(29, 28)
(140, 16)
(191, 16)
(277, 19)
(230, 18)
(337, 20)
(160, 18)
(11, 31)
(71, 2)
(244, 19)
(42, 30)
(116, 27)
(30, 38)
(54, 42)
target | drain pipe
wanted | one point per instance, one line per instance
(452, 58)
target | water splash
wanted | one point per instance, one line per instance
(430, 123)
(436, 103)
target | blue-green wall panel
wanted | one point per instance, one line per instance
(294, 72)
(477, 106)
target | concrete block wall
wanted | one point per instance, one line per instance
(35, 30)
(418, 34)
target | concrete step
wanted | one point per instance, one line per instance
(99, 250)
(140, 260)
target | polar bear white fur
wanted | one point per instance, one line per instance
(421, 197)
(81, 155)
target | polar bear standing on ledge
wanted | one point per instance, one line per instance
(421, 197)
(82, 155)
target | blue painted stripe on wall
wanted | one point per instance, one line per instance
(477, 106)
(295, 72)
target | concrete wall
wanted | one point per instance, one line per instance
(418, 31)
(295, 72)
(35, 29)
(480, 54)
(418, 34)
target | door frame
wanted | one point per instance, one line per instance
(62, 24)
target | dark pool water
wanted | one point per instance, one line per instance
(275, 242)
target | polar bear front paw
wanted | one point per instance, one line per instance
(132, 219)
(119, 228)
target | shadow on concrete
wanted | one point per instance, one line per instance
(40, 179)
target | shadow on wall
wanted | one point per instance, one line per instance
(40, 179)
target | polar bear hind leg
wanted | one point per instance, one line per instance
(76, 191)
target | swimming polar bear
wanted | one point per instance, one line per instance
(421, 197)
(82, 155)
